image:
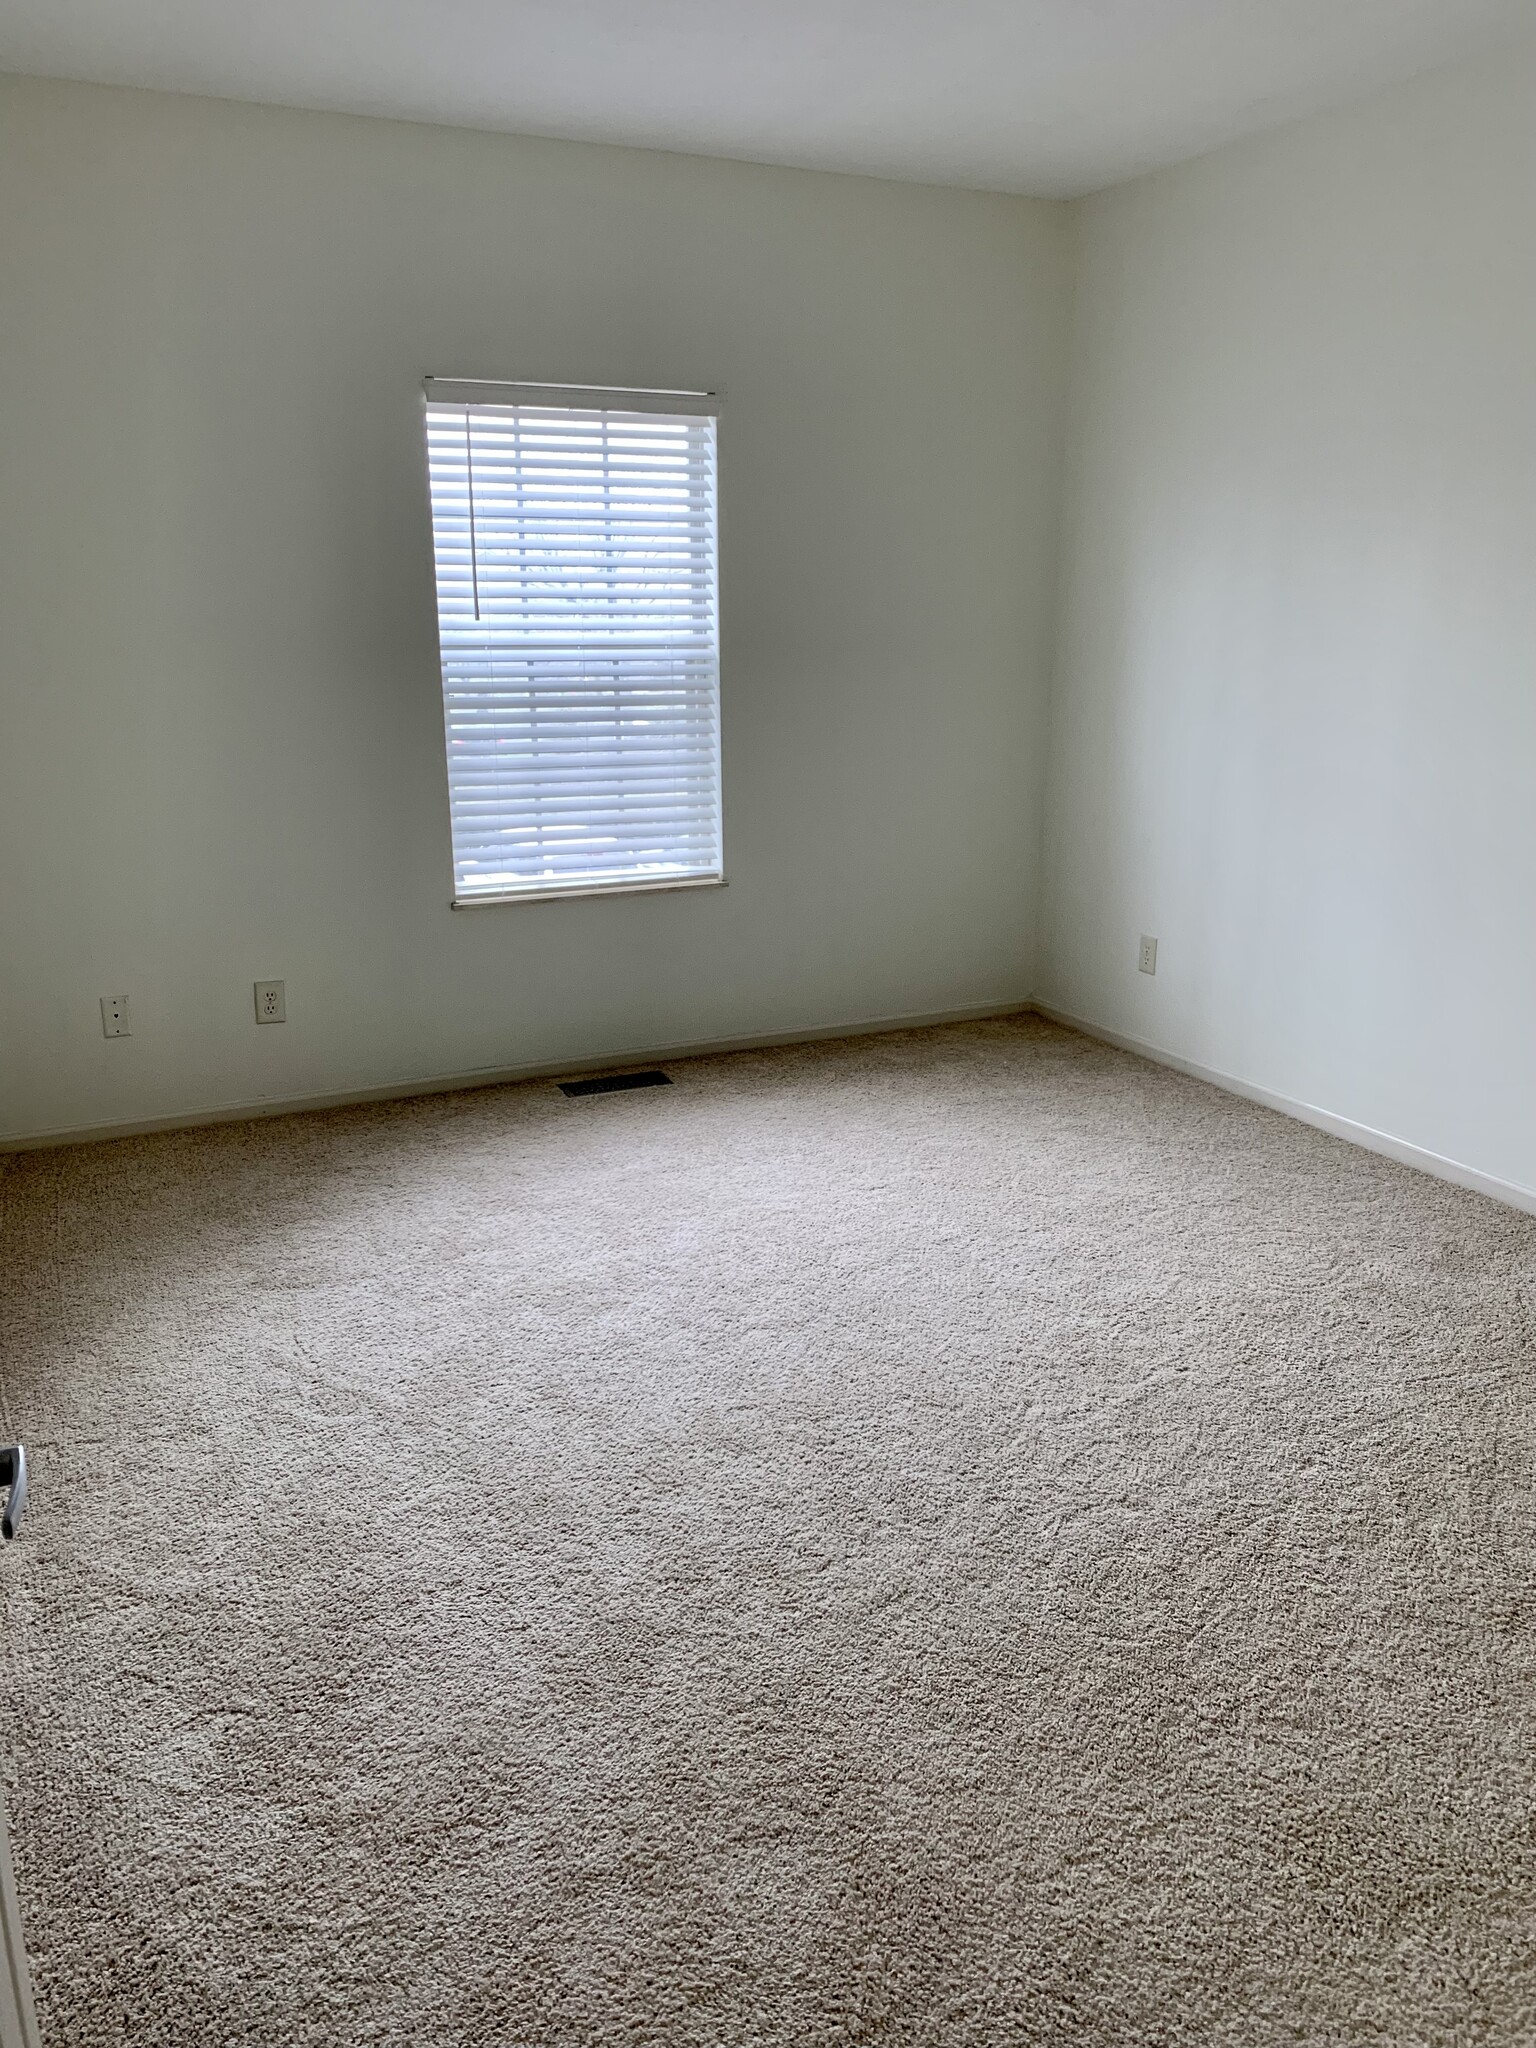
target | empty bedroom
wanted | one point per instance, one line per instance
(767, 1115)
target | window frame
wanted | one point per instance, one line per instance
(469, 393)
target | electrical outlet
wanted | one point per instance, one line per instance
(270, 1005)
(114, 1017)
(1148, 961)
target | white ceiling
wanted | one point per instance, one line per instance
(1047, 96)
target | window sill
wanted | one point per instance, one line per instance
(564, 893)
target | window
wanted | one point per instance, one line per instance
(574, 532)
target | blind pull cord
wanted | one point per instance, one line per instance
(469, 465)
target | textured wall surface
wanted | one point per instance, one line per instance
(1295, 729)
(223, 754)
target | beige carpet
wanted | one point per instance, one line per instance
(958, 1538)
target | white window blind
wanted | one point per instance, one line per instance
(575, 537)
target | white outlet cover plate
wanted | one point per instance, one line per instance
(115, 1021)
(1148, 959)
(271, 1003)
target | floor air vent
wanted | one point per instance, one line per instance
(609, 1084)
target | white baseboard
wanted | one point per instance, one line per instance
(496, 1077)
(1506, 1191)
(1509, 1192)
(18, 2019)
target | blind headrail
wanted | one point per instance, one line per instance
(470, 391)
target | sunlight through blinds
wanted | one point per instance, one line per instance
(574, 533)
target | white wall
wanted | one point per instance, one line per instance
(220, 735)
(1294, 733)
